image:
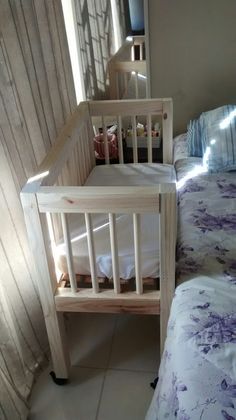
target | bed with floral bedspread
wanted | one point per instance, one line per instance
(197, 376)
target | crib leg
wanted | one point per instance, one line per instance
(58, 381)
(59, 352)
(154, 383)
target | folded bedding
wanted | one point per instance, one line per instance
(212, 136)
(118, 175)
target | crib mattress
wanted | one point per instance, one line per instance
(118, 175)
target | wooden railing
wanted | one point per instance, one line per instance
(44, 196)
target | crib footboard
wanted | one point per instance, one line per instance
(46, 205)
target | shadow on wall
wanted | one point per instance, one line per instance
(95, 30)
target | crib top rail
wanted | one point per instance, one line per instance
(128, 107)
(99, 200)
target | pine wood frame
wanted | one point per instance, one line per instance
(40, 196)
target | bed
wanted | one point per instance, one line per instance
(197, 375)
(127, 70)
(112, 200)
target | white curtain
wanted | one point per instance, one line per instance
(36, 96)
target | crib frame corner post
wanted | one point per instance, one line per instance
(168, 221)
(167, 126)
(43, 269)
(112, 80)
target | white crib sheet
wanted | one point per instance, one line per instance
(119, 175)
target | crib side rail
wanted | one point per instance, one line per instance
(107, 199)
(74, 142)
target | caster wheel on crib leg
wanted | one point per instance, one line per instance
(58, 381)
(154, 383)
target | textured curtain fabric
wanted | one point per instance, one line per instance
(36, 96)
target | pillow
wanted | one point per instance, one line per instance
(194, 138)
(218, 129)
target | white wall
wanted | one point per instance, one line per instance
(193, 55)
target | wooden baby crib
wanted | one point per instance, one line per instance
(57, 189)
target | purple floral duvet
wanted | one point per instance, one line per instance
(197, 376)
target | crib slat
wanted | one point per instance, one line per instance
(69, 255)
(83, 148)
(137, 253)
(132, 53)
(114, 252)
(141, 52)
(90, 134)
(78, 157)
(136, 85)
(149, 133)
(81, 159)
(106, 148)
(87, 152)
(146, 88)
(120, 142)
(125, 83)
(134, 139)
(117, 75)
(91, 249)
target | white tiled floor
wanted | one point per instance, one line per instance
(114, 358)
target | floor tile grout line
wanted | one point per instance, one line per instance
(101, 393)
(103, 384)
(89, 367)
(132, 370)
(106, 369)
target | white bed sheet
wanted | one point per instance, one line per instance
(118, 175)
